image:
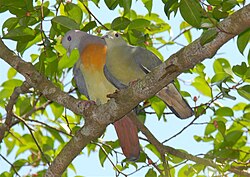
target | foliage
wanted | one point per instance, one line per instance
(40, 127)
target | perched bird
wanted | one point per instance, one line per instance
(126, 63)
(91, 81)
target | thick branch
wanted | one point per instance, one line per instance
(99, 117)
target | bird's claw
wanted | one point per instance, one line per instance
(113, 95)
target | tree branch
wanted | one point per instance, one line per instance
(98, 117)
(183, 155)
(9, 107)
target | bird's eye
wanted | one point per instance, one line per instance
(116, 35)
(69, 38)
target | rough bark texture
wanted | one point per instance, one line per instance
(98, 117)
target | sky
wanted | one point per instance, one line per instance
(90, 166)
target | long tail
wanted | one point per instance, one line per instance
(128, 136)
(176, 103)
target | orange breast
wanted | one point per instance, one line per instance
(94, 56)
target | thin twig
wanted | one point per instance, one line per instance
(12, 166)
(186, 30)
(37, 144)
(110, 160)
(9, 107)
(94, 16)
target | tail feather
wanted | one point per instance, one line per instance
(176, 103)
(128, 136)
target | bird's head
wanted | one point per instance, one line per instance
(72, 39)
(114, 38)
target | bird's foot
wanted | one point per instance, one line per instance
(113, 95)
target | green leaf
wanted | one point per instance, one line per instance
(158, 105)
(239, 106)
(7, 174)
(210, 128)
(148, 4)
(120, 23)
(11, 73)
(232, 137)
(214, 2)
(22, 46)
(242, 40)
(197, 138)
(55, 134)
(64, 24)
(12, 83)
(10, 24)
(91, 148)
(23, 105)
(170, 6)
(19, 164)
(221, 127)
(10, 143)
(139, 24)
(74, 12)
(225, 92)
(68, 62)
(126, 4)
(57, 109)
(228, 5)
(202, 86)
(191, 11)
(220, 77)
(218, 14)
(183, 171)
(151, 173)
(224, 111)
(111, 4)
(102, 157)
(153, 149)
(89, 26)
(72, 167)
(175, 159)
(244, 91)
(21, 33)
(222, 65)
(208, 36)
(240, 70)
(96, 2)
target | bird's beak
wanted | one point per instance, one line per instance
(105, 36)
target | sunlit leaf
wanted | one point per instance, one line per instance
(244, 91)
(224, 111)
(151, 173)
(148, 4)
(158, 106)
(73, 11)
(202, 86)
(68, 62)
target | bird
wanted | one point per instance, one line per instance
(126, 63)
(90, 79)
